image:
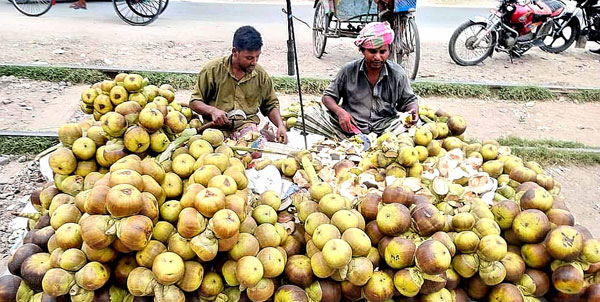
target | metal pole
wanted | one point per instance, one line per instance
(293, 38)
(291, 53)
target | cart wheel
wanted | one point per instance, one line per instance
(320, 26)
(406, 49)
(164, 6)
(32, 8)
(138, 12)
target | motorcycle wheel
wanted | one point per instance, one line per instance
(461, 48)
(568, 36)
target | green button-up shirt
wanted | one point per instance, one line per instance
(217, 86)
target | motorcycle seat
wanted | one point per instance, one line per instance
(557, 7)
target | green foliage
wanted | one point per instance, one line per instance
(521, 142)
(53, 74)
(525, 93)
(587, 96)
(177, 80)
(288, 85)
(25, 144)
(552, 157)
(425, 89)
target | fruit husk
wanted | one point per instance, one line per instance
(57, 282)
(212, 285)
(134, 231)
(168, 268)
(72, 260)
(506, 292)
(122, 268)
(181, 246)
(475, 287)
(432, 257)
(427, 219)
(13, 288)
(162, 231)
(78, 294)
(141, 282)
(324, 290)
(190, 223)
(492, 272)
(568, 279)
(94, 231)
(262, 291)
(298, 271)
(21, 253)
(92, 276)
(34, 268)
(289, 293)
(514, 265)
(408, 281)
(379, 288)
(433, 283)
(146, 256)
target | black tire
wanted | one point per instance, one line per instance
(138, 12)
(406, 49)
(486, 51)
(165, 3)
(319, 30)
(572, 27)
(32, 8)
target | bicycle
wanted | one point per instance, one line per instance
(354, 15)
(133, 12)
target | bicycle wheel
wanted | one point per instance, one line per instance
(164, 6)
(319, 34)
(406, 49)
(32, 8)
(138, 12)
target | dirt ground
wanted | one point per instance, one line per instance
(486, 119)
(173, 44)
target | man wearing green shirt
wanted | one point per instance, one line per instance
(238, 82)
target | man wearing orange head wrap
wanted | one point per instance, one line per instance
(367, 94)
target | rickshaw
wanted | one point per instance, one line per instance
(346, 18)
(133, 12)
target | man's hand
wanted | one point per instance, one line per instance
(282, 134)
(346, 121)
(414, 113)
(219, 117)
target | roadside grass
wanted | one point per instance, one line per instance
(547, 156)
(539, 143)
(54, 74)
(18, 145)
(586, 96)
(314, 86)
(177, 80)
(552, 152)
(526, 94)
(425, 89)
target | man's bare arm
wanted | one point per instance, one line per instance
(275, 117)
(218, 116)
(345, 119)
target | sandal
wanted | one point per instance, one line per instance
(78, 5)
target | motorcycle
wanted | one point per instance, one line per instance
(580, 23)
(513, 27)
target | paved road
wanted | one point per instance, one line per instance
(435, 23)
